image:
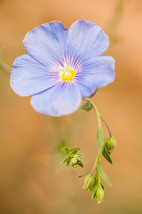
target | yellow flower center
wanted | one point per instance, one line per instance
(66, 72)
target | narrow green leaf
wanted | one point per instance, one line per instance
(100, 140)
(61, 146)
(81, 156)
(102, 173)
(84, 174)
(93, 191)
(63, 143)
(68, 162)
(67, 159)
(70, 150)
(80, 164)
(106, 155)
(73, 152)
(102, 186)
(87, 106)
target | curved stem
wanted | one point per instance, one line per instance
(99, 124)
(106, 126)
(95, 109)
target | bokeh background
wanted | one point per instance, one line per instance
(32, 178)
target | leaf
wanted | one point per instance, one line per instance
(102, 173)
(74, 152)
(80, 164)
(68, 158)
(62, 145)
(81, 156)
(70, 150)
(100, 140)
(87, 106)
(68, 162)
(106, 155)
(93, 191)
(102, 186)
(84, 174)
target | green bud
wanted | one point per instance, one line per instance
(74, 166)
(110, 143)
(74, 162)
(79, 158)
(75, 156)
(99, 195)
(88, 182)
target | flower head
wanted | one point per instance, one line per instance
(62, 66)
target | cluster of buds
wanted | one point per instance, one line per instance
(73, 157)
(97, 190)
(76, 160)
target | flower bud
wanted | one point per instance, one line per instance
(110, 143)
(88, 182)
(79, 158)
(99, 195)
(74, 162)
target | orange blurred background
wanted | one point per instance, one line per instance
(32, 178)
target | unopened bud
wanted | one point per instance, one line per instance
(99, 195)
(110, 143)
(74, 162)
(78, 157)
(74, 166)
(88, 182)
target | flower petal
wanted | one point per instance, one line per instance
(96, 73)
(58, 100)
(46, 42)
(86, 39)
(29, 77)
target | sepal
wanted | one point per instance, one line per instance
(99, 194)
(106, 154)
(89, 182)
(87, 106)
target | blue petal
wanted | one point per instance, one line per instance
(29, 77)
(96, 73)
(86, 40)
(46, 42)
(58, 100)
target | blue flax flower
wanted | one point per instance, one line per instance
(62, 66)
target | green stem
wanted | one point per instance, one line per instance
(106, 126)
(99, 124)
(99, 116)
(95, 109)
(96, 161)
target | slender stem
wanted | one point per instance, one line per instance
(95, 109)
(106, 126)
(96, 161)
(99, 116)
(99, 124)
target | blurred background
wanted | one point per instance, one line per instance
(32, 178)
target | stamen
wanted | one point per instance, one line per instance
(66, 72)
